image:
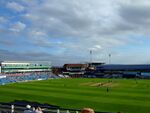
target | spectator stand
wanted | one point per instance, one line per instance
(12, 78)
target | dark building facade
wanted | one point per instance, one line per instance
(74, 70)
(126, 71)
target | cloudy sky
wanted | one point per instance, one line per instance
(64, 31)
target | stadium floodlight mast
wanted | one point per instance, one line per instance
(91, 56)
(109, 58)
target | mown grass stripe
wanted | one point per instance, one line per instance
(128, 96)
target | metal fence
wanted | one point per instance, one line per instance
(7, 108)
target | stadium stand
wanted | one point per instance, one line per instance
(26, 77)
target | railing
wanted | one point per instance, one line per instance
(4, 108)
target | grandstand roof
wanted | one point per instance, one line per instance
(75, 65)
(24, 62)
(117, 67)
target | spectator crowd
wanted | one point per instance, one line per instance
(26, 77)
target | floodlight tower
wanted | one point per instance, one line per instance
(109, 58)
(91, 56)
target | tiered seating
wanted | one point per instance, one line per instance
(26, 77)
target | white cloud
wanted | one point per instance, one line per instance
(97, 25)
(77, 26)
(85, 20)
(36, 33)
(18, 27)
(95, 48)
(15, 6)
(2, 19)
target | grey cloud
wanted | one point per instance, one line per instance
(6, 42)
(135, 13)
(11, 55)
(2, 19)
(62, 20)
(8, 55)
(36, 56)
(83, 25)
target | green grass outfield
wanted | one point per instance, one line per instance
(128, 96)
